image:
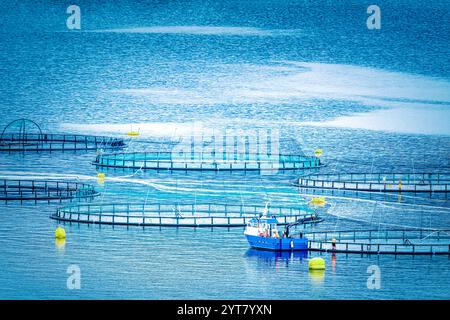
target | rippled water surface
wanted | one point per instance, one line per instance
(373, 100)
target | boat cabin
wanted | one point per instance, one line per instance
(263, 227)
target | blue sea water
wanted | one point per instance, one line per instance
(164, 67)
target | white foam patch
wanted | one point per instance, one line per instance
(171, 95)
(416, 104)
(430, 120)
(299, 81)
(201, 30)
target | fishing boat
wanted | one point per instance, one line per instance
(263, 233)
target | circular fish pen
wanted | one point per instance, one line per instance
(205, 161)
(26, 135)
(379, 182)
(178, 215)
(44, 190)
(391, 241)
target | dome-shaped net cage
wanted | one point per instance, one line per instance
(26, 135)
(22, 132)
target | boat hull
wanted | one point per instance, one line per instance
(277, 244)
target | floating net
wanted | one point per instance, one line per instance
(26, 135)
(384, 182)
(44, 190)
(205, 161)
(389, 241)
(203, 214)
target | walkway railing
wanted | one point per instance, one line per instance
(385, 182)
(393, 241)
(205, 161)
(57, 142)
(44, 190)
(176, 214)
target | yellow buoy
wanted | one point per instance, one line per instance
(133, 133)
(318, 201)
(101, 175)
(60, 233)
(316, 264)
(318, 152)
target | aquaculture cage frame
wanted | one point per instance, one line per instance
(14, 190)
(11, 142)
(379, 182)
(376, 241)
(205, 161)
(205, 214)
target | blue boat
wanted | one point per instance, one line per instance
(262, 233)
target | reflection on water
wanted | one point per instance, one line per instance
(317, 277)
(60, 245)
(333, 262)
(273, 258)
